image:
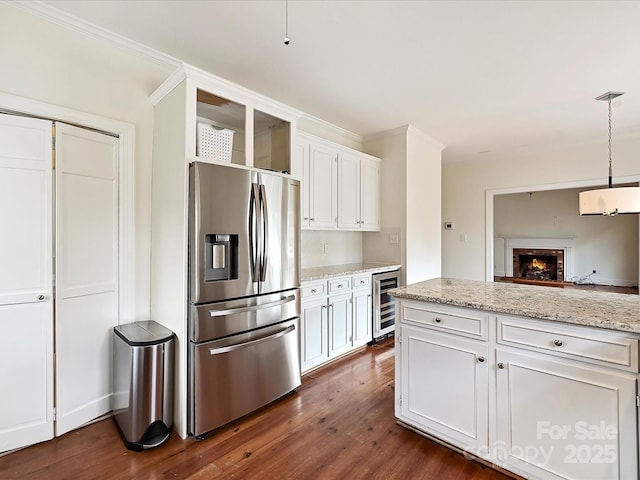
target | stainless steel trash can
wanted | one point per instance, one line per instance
(143, 383)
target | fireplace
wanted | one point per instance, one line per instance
(555, 253)
(538, 264)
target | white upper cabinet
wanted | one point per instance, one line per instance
(349, 191)
(323, 200)
(370, 193)
(358, 192)
(340, 187)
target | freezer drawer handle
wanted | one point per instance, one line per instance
(231, 311)
(231, 348)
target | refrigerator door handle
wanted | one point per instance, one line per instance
(250, 308)
(231, 348)
(254, 233)
(264, 208)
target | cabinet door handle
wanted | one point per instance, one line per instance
(312, 219)
(558, 343)
(40, 297)
(305, 218)
(501, 365)
(313, 290)
(481, 359)
(323, 307)
(438, 320)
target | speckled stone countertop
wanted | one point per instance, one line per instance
(320, 273)
(614, 311)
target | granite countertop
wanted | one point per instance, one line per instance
(614, 311)
(320, 273)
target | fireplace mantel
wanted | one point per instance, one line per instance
(556, 243)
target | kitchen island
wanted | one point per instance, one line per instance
(538, 381)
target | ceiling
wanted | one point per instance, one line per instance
(485, 78)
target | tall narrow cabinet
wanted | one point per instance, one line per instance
(262, 132)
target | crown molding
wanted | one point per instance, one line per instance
(66, 20)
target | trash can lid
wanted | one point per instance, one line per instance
(147, 332)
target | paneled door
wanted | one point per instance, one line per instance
(86, 305)
(26, 299)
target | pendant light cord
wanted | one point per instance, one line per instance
(286, 22)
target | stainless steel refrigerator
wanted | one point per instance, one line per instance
(244, 292)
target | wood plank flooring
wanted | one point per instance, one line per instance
(338, 425)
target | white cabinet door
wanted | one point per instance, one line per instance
(340, 324)
(87, 274)
(301, 161)
(558, 419)
(362, 317)
(323, 184)
(314, 333)
(348, 191)
(370, 194)
(26, 289)
(445, 386)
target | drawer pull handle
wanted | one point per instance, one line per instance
(339, 285)
(481, 359)
(313, 290)
(558, 343)
(501, 366)
(438, 320)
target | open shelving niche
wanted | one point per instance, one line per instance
(269, 135)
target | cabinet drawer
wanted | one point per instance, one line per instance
(339, 285)
(472, 324)
(580, 343)
(361, 281)
(313, 290)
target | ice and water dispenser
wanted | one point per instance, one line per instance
(220, 257)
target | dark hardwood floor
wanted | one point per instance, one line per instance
(338, 425)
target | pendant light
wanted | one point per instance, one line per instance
(610, 201)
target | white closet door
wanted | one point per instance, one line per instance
(86, 262)
(26, 300)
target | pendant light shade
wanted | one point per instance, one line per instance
(610, 201)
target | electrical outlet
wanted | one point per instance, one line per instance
(325, 248)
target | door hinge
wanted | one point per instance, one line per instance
(637, 400)
(399, 337)
(54, 414)
(400, 399)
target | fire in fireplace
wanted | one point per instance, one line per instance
(538, 264)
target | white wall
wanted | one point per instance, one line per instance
(411, 192)
(423, 207)
(608, 245)
(391, 147)
(464, 188)
(44, 61)
(342, 248)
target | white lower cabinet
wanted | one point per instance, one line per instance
(558, 419)
(362, 315)
(336, 318)
(541, 399)
(445, 385)
(314, 336)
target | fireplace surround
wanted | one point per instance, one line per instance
(554, 257)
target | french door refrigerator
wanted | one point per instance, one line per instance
(244, 292)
